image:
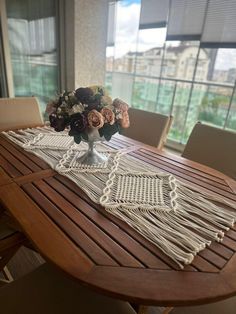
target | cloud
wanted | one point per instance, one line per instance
(226, 59)
(128, 34)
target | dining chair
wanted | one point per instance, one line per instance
(148, 127)
(16, 112)
(212, 147)
(19, 112)
(46, 290)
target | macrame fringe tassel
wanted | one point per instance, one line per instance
(183, 232)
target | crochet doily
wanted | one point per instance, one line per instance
(143, 191)
(50, 141)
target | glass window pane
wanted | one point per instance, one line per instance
(166, 96)
(179, 111)
(150, 51)
(180, 59)
(145, 93)
(122, 85)
(109, 59)
(209, 104)
(220, 67)
(167, 73)
(32, 38)
(231, 121)
(127, 24)
(108, 82)
(214, 105)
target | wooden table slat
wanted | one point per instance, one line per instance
(78, 236)
(176, 159)
(36, 160)
(20, 156)
(126, 253)
(96, 234)
(180, 175)
(9, 168)
(143, 243)
(194, 175)
(14, 161)
(45, 235)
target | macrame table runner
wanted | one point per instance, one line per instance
(179, 220)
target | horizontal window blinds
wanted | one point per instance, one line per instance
(111, 24)
(220, 26)
(154, 13)
(186, 18)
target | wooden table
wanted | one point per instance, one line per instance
(103, 252)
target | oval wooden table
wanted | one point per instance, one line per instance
(103, 252)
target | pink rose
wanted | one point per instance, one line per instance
(124, 122)
(120, 105)
(51, 108)
(108, 114)
(95, 119)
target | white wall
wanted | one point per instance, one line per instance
(85, 38)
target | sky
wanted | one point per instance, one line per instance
(129, 39)
(127, 18)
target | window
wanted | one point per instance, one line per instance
(171, 61)
(32, 39)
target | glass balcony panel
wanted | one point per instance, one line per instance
(180, 106)
(208, 104)
(231, 121)
(145, 93)
(166, 95)
(122, 86)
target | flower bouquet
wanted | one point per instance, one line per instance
(89, 114)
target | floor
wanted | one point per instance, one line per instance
(26, 260)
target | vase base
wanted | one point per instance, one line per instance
(92, 158)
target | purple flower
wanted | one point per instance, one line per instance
(57, 122)
(78, 123)
(84, 95)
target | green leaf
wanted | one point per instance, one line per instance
(73, 133)
(101, 131)
(107, 136)
(77, 138)
(84, 136)
(108, 130)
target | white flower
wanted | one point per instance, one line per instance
(78, 108)
(106, 100)
(66, 98)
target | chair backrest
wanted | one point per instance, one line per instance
(148, 127)
(212, 147)
(19, 112)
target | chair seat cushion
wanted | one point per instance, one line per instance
(45, 290)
